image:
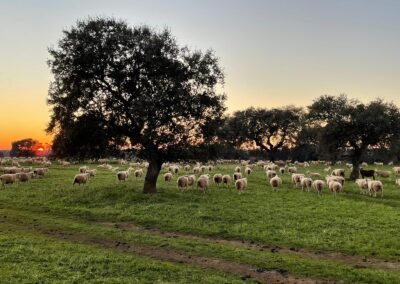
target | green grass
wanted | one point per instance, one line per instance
(350, 223)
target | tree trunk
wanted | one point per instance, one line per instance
(150, 181)
(355, 173)
(358, 151)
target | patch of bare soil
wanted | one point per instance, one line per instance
(263, 275)
(354, 260)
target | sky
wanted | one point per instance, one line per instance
(274, 53)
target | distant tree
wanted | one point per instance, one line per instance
(159, 97)
(353, 126)
(269, 129)
(23, 148)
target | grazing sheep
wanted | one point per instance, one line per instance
(11, 170)
(203, 169)
(226, 180)
(182, 182)
(241, 184)
(367, 173)
(275, 182)
(187, 168)
(396, 170)
(122, 175)
(382, 173)
(378, 163)
(81, 179)
(270, 174)
(335, 178)
(217, 179)
(248, 170)
(210, 168)
(202, 183)
(138, 173)
(196, 170)
(191, 180)
(83, 169)
(338, 172)
(306, 183)
(292, 170)
(335, 187)
(8, 179)
(238, 169)
(237, 176)
(318, 185)
(91, 173)
(314, 175)
(296, 179)
(40, 171)
(362, 185)
(282, 170)
(167, 177)
(375, 186)
(24, 177)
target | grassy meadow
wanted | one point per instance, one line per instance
(109, 232)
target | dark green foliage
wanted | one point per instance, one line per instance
(143, 87)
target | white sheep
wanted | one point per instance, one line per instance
(270, 173)
(338, 172)
(241, 184)
(362, 185)
(92, 173)
(335, 187)
(191, 180)
(122, 175)
(83, 169)
(237, 176)
(296, 179)
(138, 173)
(318, 185)
(182, 182)
(306, 183)
(167, 177)
(81, 179)
(382, 173)
(226, 180)
(202, 183)
(217, 179)
(8, 179)
(375, 186)
(275, 182)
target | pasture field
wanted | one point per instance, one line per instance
(109, 232)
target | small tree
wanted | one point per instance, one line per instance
(23, 148)
(354, 126)
(156, 95)
(269, 129)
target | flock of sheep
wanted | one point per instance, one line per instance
(12, 172)
(200, 175)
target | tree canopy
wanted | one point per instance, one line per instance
(24, 148)
(355, 126)
(152, 93)
(269, 129)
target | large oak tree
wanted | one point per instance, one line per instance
(157, 95)
(353, 126)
